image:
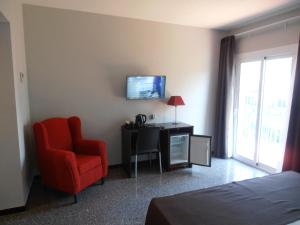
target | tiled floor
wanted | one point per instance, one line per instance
(124, 201)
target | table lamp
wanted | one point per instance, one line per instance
(175, 101)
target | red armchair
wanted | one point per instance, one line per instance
(68, 162)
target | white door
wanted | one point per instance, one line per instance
(263, 104)
(200, 150)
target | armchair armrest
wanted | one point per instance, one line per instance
(60, 170)
(93, 147)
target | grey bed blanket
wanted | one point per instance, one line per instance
(269, 200)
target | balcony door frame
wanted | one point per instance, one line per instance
(262, 55)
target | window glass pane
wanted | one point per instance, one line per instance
(275, 111)
(247, 108)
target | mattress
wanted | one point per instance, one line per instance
(269, 200)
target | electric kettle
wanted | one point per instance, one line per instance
(140, 120)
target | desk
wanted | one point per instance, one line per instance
(129, 136)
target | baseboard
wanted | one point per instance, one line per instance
(20, 208)
(12, 210)
(115, 166)
(36, 176)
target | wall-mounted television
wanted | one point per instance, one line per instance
(146, 87)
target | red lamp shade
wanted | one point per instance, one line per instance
(175, 100)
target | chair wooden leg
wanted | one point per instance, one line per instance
(102, 181)
(75, 198)
(160, 167)
(136, 158)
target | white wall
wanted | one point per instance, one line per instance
(18, 162)
(78, 62)
(275, 36)
(10, 175)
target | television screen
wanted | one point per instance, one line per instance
(146, 87)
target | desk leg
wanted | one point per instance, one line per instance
(160, 167)
(135, 168)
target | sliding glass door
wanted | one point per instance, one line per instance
(262, 110)
(247, 110)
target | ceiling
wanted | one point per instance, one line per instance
(212, 14)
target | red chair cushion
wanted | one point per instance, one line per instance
(87, 162)
(58, 132)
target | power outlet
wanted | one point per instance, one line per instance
(22, 76)
(151, 116)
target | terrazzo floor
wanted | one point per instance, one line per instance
(122, 200)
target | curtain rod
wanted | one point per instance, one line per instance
(267, 26)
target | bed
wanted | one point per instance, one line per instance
(269, 200)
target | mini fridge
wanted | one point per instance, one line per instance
(179, 149)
